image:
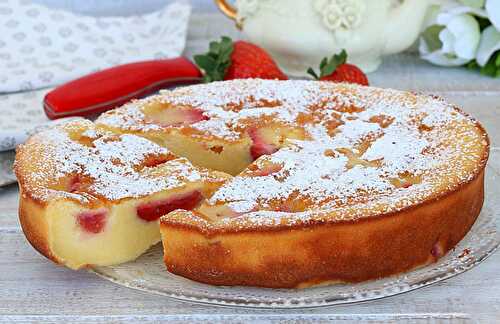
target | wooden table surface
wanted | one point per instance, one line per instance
(32, 289)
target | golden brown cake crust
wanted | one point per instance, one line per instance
(34, 225)
(308, 255)
(267, 236)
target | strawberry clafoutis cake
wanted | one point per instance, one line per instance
(259, 182)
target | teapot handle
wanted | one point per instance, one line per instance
(228, 10)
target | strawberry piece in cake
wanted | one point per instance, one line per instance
(259, 146)
(92, 221)
(173, 116)
(151, 211)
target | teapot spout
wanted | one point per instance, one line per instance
(404, 24)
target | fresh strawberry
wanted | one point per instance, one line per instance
(228, 60)
(337, 70)
(153, 210)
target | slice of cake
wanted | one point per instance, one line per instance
(90, 197)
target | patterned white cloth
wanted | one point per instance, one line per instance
(41, 47)
(22, 114)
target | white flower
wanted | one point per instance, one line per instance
(345, 14)
(490, 43)
(449, 11)
(490, 39)
(493, 10)
(454, 40)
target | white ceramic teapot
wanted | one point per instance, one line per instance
(299, 33)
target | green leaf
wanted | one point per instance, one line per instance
(431, 37)
(205, 62)
(311, 72)
(226, 40)
(497, 60)
(489, 69)
(323, 63)
(217, 60)
(492, 68)
(483, 22)
(214, 48)
(472, 65)
(341, 58)
(225, 52)
(327, 67)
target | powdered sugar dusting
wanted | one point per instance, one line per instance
(112, 163)
(396, 151)
(365, 150)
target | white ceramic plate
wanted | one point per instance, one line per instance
(148, 273)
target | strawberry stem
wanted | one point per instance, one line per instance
(328, 66)
(216, 61)
(311, 72)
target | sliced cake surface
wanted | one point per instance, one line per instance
(92, 197)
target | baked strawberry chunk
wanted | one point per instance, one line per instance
(74, 184)
(153, 210)
(79, 183)
(192, 116)
(259, 147)
(175, 116)
(92, 221)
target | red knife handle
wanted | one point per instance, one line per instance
(109, 88)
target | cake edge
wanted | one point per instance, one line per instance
(320, 254)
